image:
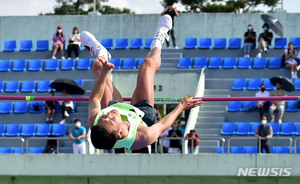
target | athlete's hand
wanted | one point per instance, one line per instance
(188, 102)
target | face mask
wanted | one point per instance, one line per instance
(250, 28)
(182, 122)
(264, 122)
(265, 29)
(262, 89)
(77, 125)
(59, 30)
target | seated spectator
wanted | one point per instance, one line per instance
(58, 42)
(290, 60)
(74, 43)
(249, 40)
(277, 104)
(165, 144)
(262, 105)
(190, 142)
(175, 146)
(66, 106)
(264, 131)
(264, 40)
(77, 134)
(50, 105)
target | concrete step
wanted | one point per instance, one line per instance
(217, 91)
(218, 83)
(211, 149)
(209, 131)
(171, 55)
(208, 135)
(205, 125)
(208, 143)
(208, 107)
(82, 109)
(210, 118)
(211, 113)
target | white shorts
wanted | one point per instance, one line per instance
(79, 148)
(290, 61)
(174, 150)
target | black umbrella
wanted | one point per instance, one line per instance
(286, 83)
(70, 86)
(274, 24)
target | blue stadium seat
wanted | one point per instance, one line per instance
(251, 149)
(140, 61)
(268, 84)
(6, 107)
(28, 130)
(28, 86)
(136, 43)
(249, 105)
(228, 128)
(1, 86)
(108, 43)
(18, 150)
(292, 106)
(237, 150)
(215, 62)
(36, 107)
(220, 150)
(43, 86)
(121, 43)
(243, 129)
(235, 43)
(116, 62)
(51, 64)
(148, 43)
(191, 43)
(297, 83)
(244, 63)
(280, 43)
(19, 65)
(254, 84)
(10, 45)
(275, 127)
(239, 84)
(254, 127)
(129, 63)
(288, 128)
(5, 65)
(282, 150)
(79, 81)
(297, 132)
(6, 150)
(42, 45)
(25, 45)
(200, 62)
(185, 62)
(12, 86)
(2, 129)
(36, 150)
(234, 106)
(13, 130)
(298, 150)
(35, 65)
(295, 41)
(43, 130)
(205, 43)
(230, 62)
(67, 64)
(275, 62)
(59, 129)
(220, 43)
(259, 63)
(20, 107)
(83, 64)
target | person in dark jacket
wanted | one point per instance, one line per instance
(175, 146)
(263, 133)
(264, 40)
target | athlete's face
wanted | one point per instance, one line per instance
(112, 120)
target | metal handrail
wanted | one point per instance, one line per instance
(15, 138)
(296, 144)
(193, 138)
(53, 138)
(259, 142)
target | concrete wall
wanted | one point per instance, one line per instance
(129, 26)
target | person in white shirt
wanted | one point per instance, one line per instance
(262, 105)
(74, 43)
(165, 143)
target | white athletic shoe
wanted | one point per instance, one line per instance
(164, 25)
(90, 42)
(298, 67)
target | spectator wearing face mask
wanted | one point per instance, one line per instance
(77, 134)
(58, 42)
(182, 126)
(249, 40)
(264, 131)
(262, 105)
(264, 40)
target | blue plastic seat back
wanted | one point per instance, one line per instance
(6, 150)
(191, 43)
(18, 150)
(25, 45)
(234, 106)
(205, 43)
(36, 150)
(148, 43)
(79, 81)
(228, 128)
(42, 45)
(108, 43)
(297, 132)
(83, 64)
(230, 62)
(28, 130)
(185, 62)
(215, 62)
(20, 107)
(295, 41)
(12, 86)
(200, 62)
(140, 61)
(244, 63)
(35, 65)
(220, 43)
(275, 127)
(288, 128)
(36, 107)
(59, 129)
(28, 86)
(121, 43)
(235, 43)
(13, 130)
(239, 84)
(249, 105)
(43, 130)
(259, 63)
(254, 84)
(220, 150)
(292, 106)
(6, 107)
(275, 62)
(297, 83)
(67, 64)
(243, 128)
(51, 64)
(19, 65)
(43, 86)
(116, 62)
(129, 63)
(254, 127)
(268, 84)
(280, 43)
(5, 65)
(237, 150)
(1, 86)
(2, 129)
(282, 150)
(136, 43)
(10, 45)
(251, 149)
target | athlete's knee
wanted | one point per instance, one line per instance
(151, 63)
